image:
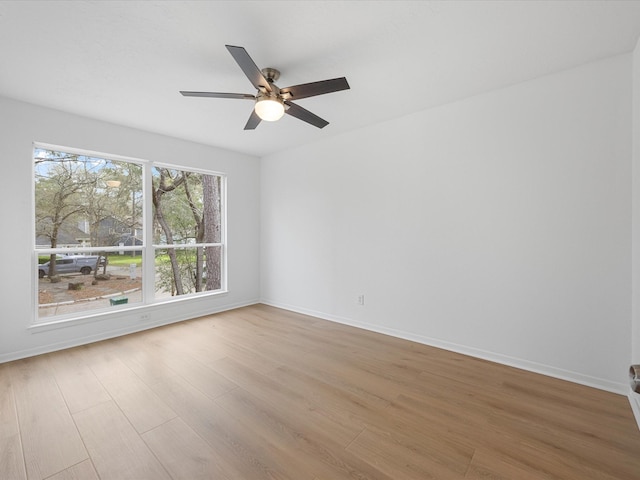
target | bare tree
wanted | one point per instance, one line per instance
(58, 198)
(212, 217)
(208, 230)
(166, 183)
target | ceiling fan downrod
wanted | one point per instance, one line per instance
(271, 74)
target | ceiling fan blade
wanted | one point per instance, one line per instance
(246, 96)
(316, 88)
(305, 115)
(248, 66)
(253, 122)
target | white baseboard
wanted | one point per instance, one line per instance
(133, 328)
(548, 370)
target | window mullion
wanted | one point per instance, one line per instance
(148, 259)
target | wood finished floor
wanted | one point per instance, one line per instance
(262, 393)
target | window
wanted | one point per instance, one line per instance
(111, 233)
(187, 231)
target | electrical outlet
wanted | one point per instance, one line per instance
(361, 299)
(144, 316)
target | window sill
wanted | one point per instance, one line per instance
(141, 314)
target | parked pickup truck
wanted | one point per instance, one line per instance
(83, 264)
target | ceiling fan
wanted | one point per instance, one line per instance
(271, 102)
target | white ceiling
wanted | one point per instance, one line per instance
(125, 61)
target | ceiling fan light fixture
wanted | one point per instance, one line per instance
(269, 109)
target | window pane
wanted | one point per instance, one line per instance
(76, 286)
(84, 201)
(180, 271)
(186, 207)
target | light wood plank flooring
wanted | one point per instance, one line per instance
(262, 393)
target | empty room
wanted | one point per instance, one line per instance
(320, 240)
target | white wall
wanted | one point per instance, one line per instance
(20, 125)
(498, 226)
(635, 329)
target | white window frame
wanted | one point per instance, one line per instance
(148, 248)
